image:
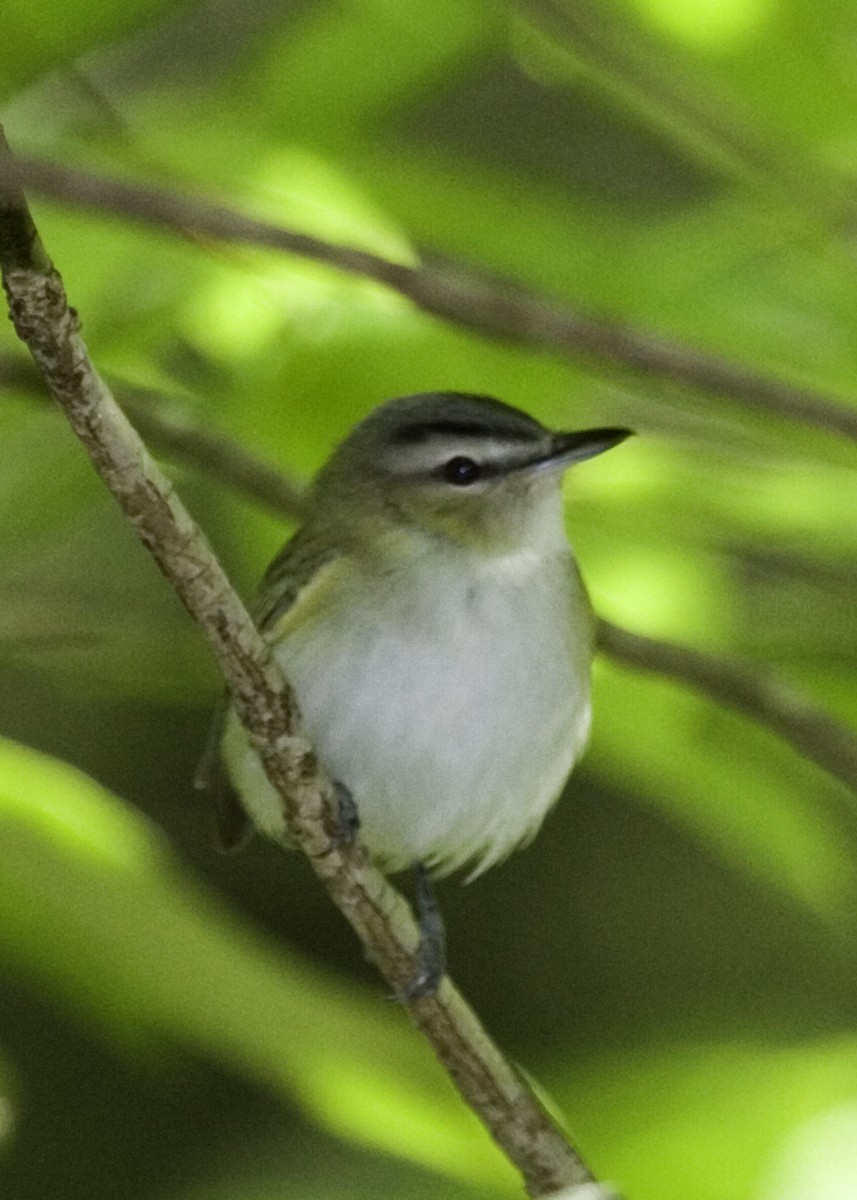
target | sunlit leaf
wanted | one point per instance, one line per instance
(93, 904)
(712, 1118)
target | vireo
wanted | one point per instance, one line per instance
(432, 621)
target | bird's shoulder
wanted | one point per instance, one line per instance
(296, 580)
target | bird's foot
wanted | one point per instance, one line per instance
(347, 817)
(431, 953)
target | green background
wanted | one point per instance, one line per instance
(673, 959)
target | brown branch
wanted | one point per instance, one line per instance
(39, 309)
(758, 694)
(217, 455)
(186, 441)
(497, 308)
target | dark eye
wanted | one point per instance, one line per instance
(461, 471)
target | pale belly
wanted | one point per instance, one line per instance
(454, 738)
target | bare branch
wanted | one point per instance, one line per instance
(497, 308)
(186, 441)
(215, 454)
(43, 320)
(759, 694)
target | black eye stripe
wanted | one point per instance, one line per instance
(461, 471)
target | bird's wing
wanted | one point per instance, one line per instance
(283, 592)
(285, 586)
(233, 827)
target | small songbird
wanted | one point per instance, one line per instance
(431, 618)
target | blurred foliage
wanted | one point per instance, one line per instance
(178, 1026)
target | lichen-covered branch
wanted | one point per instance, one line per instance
(43, 320)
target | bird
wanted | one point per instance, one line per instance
(431, 619)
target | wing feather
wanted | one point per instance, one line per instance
(283, 585)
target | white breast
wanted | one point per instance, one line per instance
(452, 706)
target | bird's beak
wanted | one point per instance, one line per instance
(571, 448)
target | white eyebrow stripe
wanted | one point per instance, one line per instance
(425, 457)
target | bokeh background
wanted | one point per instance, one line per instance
(673, 960)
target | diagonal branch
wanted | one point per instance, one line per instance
(497, 308)
(759, 694)
(43, 320)
(214, 454)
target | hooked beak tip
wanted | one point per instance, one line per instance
(577, 447)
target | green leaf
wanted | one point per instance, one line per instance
(708, 1118)
(95, 906)
(49, 35)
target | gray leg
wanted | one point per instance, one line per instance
(347, 817)
(431, 956)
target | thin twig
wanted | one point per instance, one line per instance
(494, 307)
(213, 453)
(42, 318)
(617, 56)
(183, 440)
(759, 694)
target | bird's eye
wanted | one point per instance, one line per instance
(461, 471)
